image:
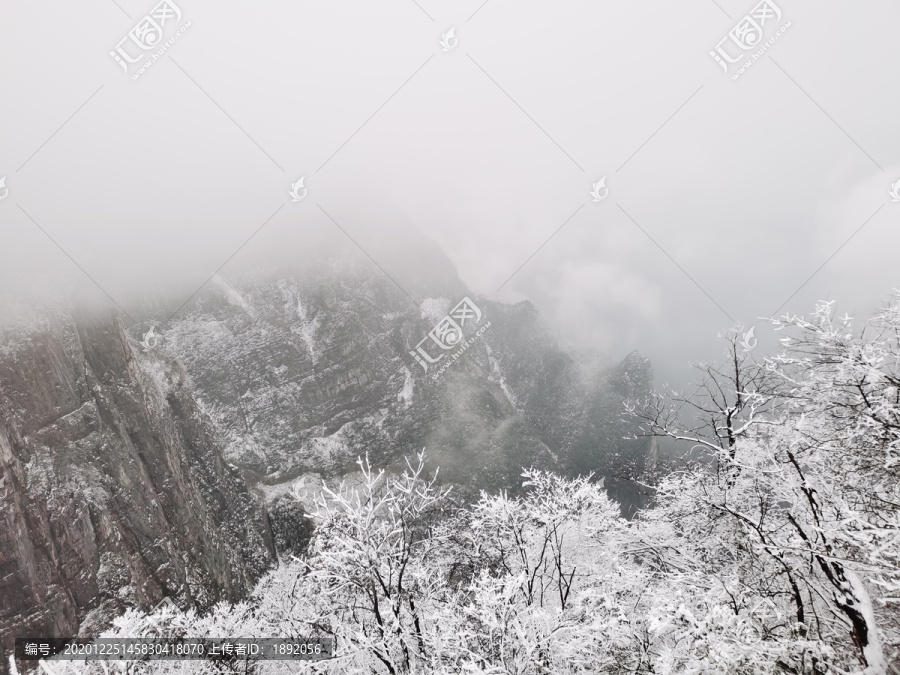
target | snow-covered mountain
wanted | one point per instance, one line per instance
(132, 472)
(303, 371)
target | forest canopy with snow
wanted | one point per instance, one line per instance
(773, 546)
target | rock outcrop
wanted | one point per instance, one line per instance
(113, 491)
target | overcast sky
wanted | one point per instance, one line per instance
(724, 196)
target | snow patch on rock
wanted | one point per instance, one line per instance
(233, 296)
(498, 374)
(307, 331)
(435, 309)
(406, 394)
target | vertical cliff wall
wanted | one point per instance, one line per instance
(113, 491)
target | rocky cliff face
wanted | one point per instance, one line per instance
(113, 491)
(303, 371)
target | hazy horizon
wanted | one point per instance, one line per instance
(726, 198)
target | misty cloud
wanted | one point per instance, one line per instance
(749, 185)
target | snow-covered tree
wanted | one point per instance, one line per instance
(799, 503)
(549, 579)
(775, 548)
(370, 571)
